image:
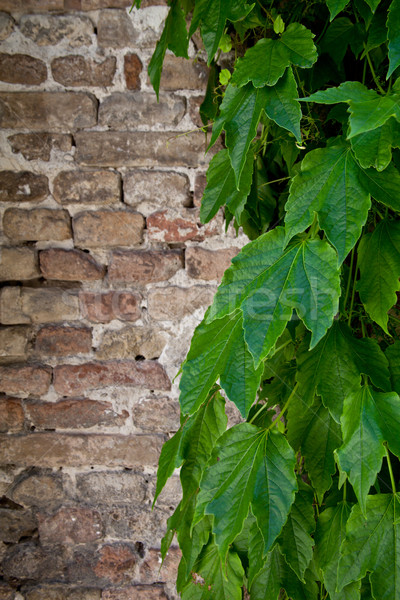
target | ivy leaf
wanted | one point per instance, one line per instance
(218, 349)
(393, 355)
(337, 38)
(373, 544)
(374, 148)
(393, 25)
(379, 263)
(282, 105)
(328, 184)
(175, 38)
(168, 462)
(377, 32)
(336, 6)
(253, 466)
(209, 107)
(383, 186)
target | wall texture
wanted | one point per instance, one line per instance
(105, 272)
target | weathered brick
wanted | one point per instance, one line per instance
(115, 30)
(49, 30)
(159, 415)
(22, 186)
(28, 561)
(132, 69)
(33, 380)
(76, 450)
(170, 225)
(131, 342)
(78, 71)
(30, 305)
(173, 303)
(144, 266)
(12, 415)
(54, 340)
(45, 592)
(18, 264)
(31, 5)
(133, 522)
(23, 69)
(171, 494)
(6, 25)
(104, 228)
(200, 183)
(15, 524)
(208, 264)
(148, 190)
(109, 564)
(98, 187)
(71, 380)
(44, 111)
(74, 413)
(35, 146)
(69, 265)
(13, 344)
(181, 74)
(139, 149)
(135, 592)
(70, 525)
(38, 488)
(194, 110)
(6, 592)
(38, 224)
(126, 111)
(154, 570)
(111, 487)
(103, 307)
(97, 4)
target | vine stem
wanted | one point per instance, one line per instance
(349, 279)
(353, 294)
(374, 77)
(390, 470)
(284, 409)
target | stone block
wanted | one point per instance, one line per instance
(56, 592)
(172, 226)
(28, 561)
(132, 68)
(69, 265)
(73, 413)
(15, 524)
(131, 521)
(103, 307)
(182, 74)
(34, 146)
(108, 564)
(111, 487)
(70, 525)
(49, 30)
(18, 264)
(97, 4)
(6, 591)
(38, 224)
(148, 190)
(12, 415)
(31, 5)
(208, 264)
(22, 69)
(13, 344)
(126, 111)
(6, 25)
(173, 303)
(23, 186)
(97, 187)
(135, 592)
(32, 380)
(34, 305)
(115, 30)
(38, 488)
(105, 228)
(144, 266)
(53, 340)
(78, 71)
(131, 342)
(200, 183)
(160, 415)
(154, 570)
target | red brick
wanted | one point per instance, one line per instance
(31, 380)
(22, 186)
(78, 71)
(69, 265)
(12, 415)
(98, 187)
(21, 68)
(144, 266)
(103, 307)
(63, 341)
(74, 413)
(151, 570)
(114, 561)
(172, 303)
(208, 264)
(172, 226)
(71, 380)
(37, 224)
(70, 525)
(135, 593)
(105, 228)
(132, 69)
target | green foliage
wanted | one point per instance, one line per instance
(300, 499)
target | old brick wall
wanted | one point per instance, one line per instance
(105, 271)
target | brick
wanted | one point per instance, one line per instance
(126, 111)
(194, 110)
(171, 494)
(97, 4)
(130, 342)
(153, 570)
(22, 69)
(70, 525)
(15, 524)
(104, 228)
(69, 265)
(170, 225)
(23, 186)
(135, 593)
(71, 380)
(31, 380)
(182, 74)
(44, 111)
(103, 307)
(111, 487)
(208, 264)
(115, 30)
(132, 68)
(54, 340)
(38, 488)
(130, 521)
(18, 264)
(31, 5)
(38, 224)
(13, 344)
(138, 149)
(34, 146)
(28, 561)
(144, 266)
(109, 564)
(30, 305)
(148, 190)
(44, 592)
(159, 415)
(97, 187)
(74, 413)
(49, 30)
(78, 450)
(6, 26)
(173, 303)
(78, 71)
(200, 183)
(12, 415)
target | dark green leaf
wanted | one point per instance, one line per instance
(374, 148)
(384, 186)
(337, 38)
(209, 107)
(336, 6)
(168, 462)
(282, 105)
(377, 33)
(393, 355)
(393, 25)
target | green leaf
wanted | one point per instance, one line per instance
(373, 544)
(393, 25)
(383, 186)
(393, 356)
(377, 33)
(336, 6)
(337, 38)
(168, 462)
(175, 38)
(248, 466)
(224, 76)
(328, 184)
(282, 105)
(373, 4)
(374, 148)
(209, 107)
(379, 263)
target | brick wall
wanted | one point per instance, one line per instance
(105, 271)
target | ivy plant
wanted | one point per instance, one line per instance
(300, 500)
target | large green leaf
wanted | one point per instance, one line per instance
(379, 263)
(374, 148)
(372, 545)
(393, 25)
(337, 38)
(328, 184)
(393, 355)
(249, 466)
(384, 186)
(282, 105)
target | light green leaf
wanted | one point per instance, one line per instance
(347, 91)
(374, 148)
(384, 186)
(379, 263)
(168, 462)
(282, 105)
(393, 355)
(336, 6)
(393, 25)
(328, 184)
(373, 4)
(224, 76)
(373, 544)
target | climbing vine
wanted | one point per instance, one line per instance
(300, 500)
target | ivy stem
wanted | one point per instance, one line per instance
(349, 279)
(284, 409)
(258, 412)
(390, 470)
(344, 490)
(353, 293)
(374, 77)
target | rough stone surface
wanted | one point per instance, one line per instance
(97, 4)
(39, 145)
(12, 415)
(136, 593)
(130, 342)
(182, 74)
(22, 68)
(127, 111)
(169, 225)
(132, 68)
(37, 488)
(154, 570)
(100, 187)
(103, 228)
(69, 265)
(208, 264)
(78, 71)
(45, 592)
(49, 30)
(172, 303)
(115, 30)
(74, 413)
(25, 380)
(13, 344)
(104, 307)
(56, 340)
(132, 522)
(28, 561)
(144, 266)
(47, 111)
(31, 5)
(200, 183)
(36, 224)
(29, 305)
(6, 592)
(6, 26)
(15, 524)
(23, 186)
(156, 414)
(112, 487)
(18, 264)
(148, 190)
(70, 525)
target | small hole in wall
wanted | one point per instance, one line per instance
(95, 30)
(139, 357)
(140, 549)
(32, 428)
